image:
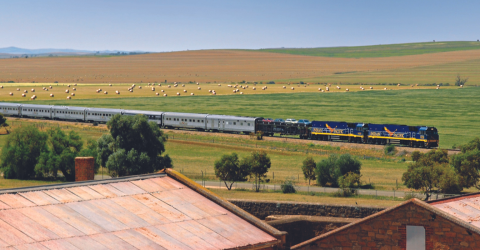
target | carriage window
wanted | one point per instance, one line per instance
(202, 120)
(248, 124)
(241, 124)
(234, 123)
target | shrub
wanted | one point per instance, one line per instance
(330, 169)
(288, 186)
(95, 124)
(390, 149)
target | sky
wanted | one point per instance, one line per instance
(157, 26)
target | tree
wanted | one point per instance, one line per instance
(228, 169)
(308, 169)
(21, 152)
(460, 81)
(91, 151)
(258, 163)
(134, 146)
(330, 169)
(467, 164)
(348, 182)
(63, 149)
(431, 172)
(3, 123)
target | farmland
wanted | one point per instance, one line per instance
(225, 66)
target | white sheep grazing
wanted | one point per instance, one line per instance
(153, 89)
(139, 87)
(133, 85)
(73, 94)
(74, 89)
(75, 84)
(131, 90)
(159, 84)
(100, 89)
(327, 89)
(156, 93)
(398, 85)
(197, 83)
(68, 97)
(219, 85)
(416, 84)
(33, 97)
(209, 91)
(66, 91)
(178, 93)
(254, 88)
(323, 91)
(50, 86)
(184, 91)
(319, 89)
(68, 85)
(384, 88)
(293, 88)
(183, 85)
(148, 84)
(338, 87)
(164, 94)
(10, 93)
(237, 90)
(117, 92)
(1, 87)
(192, 94)
(461, 86)
(371, 87)
(97, 91)
(51, 95)
(234, 91)
(23, 95)
(346, 90)
(199, 88)
(361, 87)
(284, 87)
(46, 89)
(162, 90)
(214, 93)
(110, 85)
(229, 86)
(105, 92)
(33, 90)
(169, 86)
(241, 93)
(438, 87)
(18, 89)
(25, 91)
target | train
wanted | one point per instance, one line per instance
(367, 133)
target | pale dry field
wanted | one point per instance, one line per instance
(213, 66)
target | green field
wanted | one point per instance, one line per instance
(454, 111)
(403, 49)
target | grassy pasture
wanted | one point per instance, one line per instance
(387, 50)
(454, 111)
(222, 66)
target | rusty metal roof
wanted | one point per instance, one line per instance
(465, 208)
(155, 212)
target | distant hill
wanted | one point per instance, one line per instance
(379, 50)
(15, 51)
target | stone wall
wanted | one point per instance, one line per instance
(262, 209)
(387, 231)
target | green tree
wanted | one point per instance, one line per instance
(134, 146)
(21, 152)
(61, 155)
(229, 170)
(348, 183)
(329, 170)
(91, 151)
(308, 169)
(258, 163)
(467, 164)
(3, 123)
(432, 173)
(460, 81)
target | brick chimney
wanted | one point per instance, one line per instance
(84, 170)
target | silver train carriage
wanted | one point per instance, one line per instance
(153, 116)
(37, 111)
(184, 120)
(69, 113)
(100, 114)
(231, 123)
(11, 109)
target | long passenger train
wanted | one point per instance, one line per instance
(413, 136)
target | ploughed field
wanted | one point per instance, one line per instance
(224, 66)
(453, 110)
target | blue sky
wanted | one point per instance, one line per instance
(187, 24)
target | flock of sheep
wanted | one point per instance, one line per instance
(236, 89)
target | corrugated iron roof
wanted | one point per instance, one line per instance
(466, 208)
(151, 213)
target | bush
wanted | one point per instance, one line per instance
(95, 124)
(288, 186)
(390, 149)
(330, 169)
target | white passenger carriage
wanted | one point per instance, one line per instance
(153, 116)
(69, 113)
(37, 111)
(100, 115)
(10, 109)
(231, 123)
(184, 120)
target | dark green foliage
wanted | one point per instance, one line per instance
(3, 123)
(288, 186)
(229, 170)
(134, 146)
(258, 163)
(460, 81)
(21, 152)
(390, 149)
(308, 169)
(431, 172)
(467, 163)
(330, 169)
(61, 155)
(348, 183)
(91, 151)
(416, 155)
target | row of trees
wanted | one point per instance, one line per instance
(436, 171)
(133, 146)
(230, 169)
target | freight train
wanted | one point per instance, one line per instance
(412, 136)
